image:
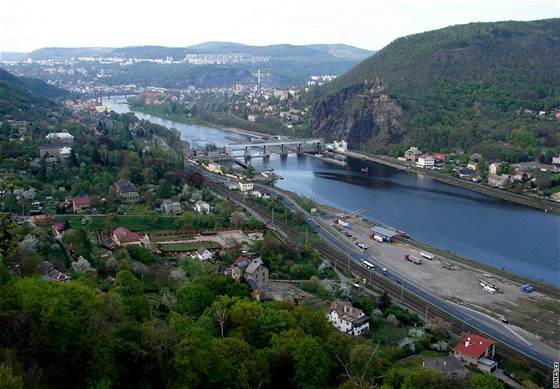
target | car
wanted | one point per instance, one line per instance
(504, 320)
(384, 270)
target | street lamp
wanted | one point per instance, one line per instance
(426, 313)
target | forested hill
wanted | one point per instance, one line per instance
(24, 98)
(455, 87)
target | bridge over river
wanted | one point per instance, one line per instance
(279, 146)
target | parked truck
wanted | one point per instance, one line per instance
(489, 289)
(413, 259)
(378, 238)
(427, 255)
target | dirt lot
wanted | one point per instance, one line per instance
(535, 312)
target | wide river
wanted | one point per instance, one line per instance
(520, 240)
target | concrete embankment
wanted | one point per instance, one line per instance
(545, 205)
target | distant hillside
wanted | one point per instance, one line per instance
(11, 56)
(35, 85)
(66, 52)
(282, 50)
(463, 87)
(26, 99)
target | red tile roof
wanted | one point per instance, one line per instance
(81, 200)
(125, 236)
(473, 345)
(240, 259)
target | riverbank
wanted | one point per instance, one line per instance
(545, 205)
(542, 204)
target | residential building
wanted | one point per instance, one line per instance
(127, 190)
(556, 161)
(245, 186)
(170, 207)
(348, 319)
(425, 161)
(467, 173)
(450, 366)
(201, 207)
(498, 181)
(63, 137)
(472, 165)
(251, 269)
(555, 196)
(58, 229)
(55, 150)
(412, 154)
(124, 237)
(477, 351)
(81, 204)
(56, 276)
(202, 254)
(493, 168)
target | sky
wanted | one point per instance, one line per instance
(27, 25)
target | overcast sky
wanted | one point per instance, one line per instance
(26, 25)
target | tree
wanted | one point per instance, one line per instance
(485, 381)
(237, 219)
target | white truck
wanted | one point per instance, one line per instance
(489, 289)
(427, 255)
(413, 259)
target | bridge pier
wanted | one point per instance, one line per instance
(266, 151)
(283, 150)
(247, 153)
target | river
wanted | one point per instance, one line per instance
(495, 232)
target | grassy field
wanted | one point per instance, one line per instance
(189, 247)
(174, 238)
(138, 223)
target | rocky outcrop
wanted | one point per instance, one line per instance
(362, 114)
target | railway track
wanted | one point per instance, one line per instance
(397, 292)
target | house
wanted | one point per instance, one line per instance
(57, 276)
(450, 366)
(170, 207)
(54, 150)
(348, 319)
(245, 186)
(127, 190)
(63, 137)
(466, 173)
(124, 237)
(202, 254)
(520, 175)
(498, 181)
(251, 269)
(201, 207)
(439, 158)
(472, 165)
(493, 168)
(58, 229)
(341, 146)
(425, 161)
(477, 351)
(556, 160)
(555, 196)
(80, 204)
(412, 154)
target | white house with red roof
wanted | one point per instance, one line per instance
(478, 351)
(125, 237)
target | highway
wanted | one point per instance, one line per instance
(400, 289)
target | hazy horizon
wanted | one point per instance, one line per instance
(369, 25)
